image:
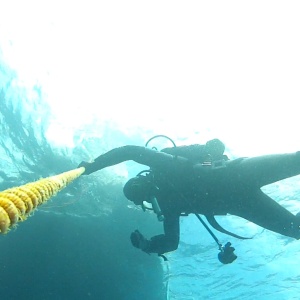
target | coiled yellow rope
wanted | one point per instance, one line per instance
(17, 203)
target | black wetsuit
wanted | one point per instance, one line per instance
(189, 187)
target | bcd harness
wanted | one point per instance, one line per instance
(154, 205)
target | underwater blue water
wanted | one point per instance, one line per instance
(77, 246)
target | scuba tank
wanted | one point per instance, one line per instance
(153, 204)
(156, 209)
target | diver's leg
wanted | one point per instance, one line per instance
(263, 170)
(260, 209)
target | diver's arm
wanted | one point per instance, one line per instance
(165, 242)
(212, 150)
(195, 153)
(160, 243)
(142, 155)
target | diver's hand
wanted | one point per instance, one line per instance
(89, 167)
(139, 241)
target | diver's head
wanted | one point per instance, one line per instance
(215, 148)
(138, 189)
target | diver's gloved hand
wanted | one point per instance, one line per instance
(89, 167)
(139, 241)
(226, 256)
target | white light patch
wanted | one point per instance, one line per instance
(194, 70)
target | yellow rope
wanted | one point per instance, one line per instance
(17, 203)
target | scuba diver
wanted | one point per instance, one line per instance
(200, 179)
